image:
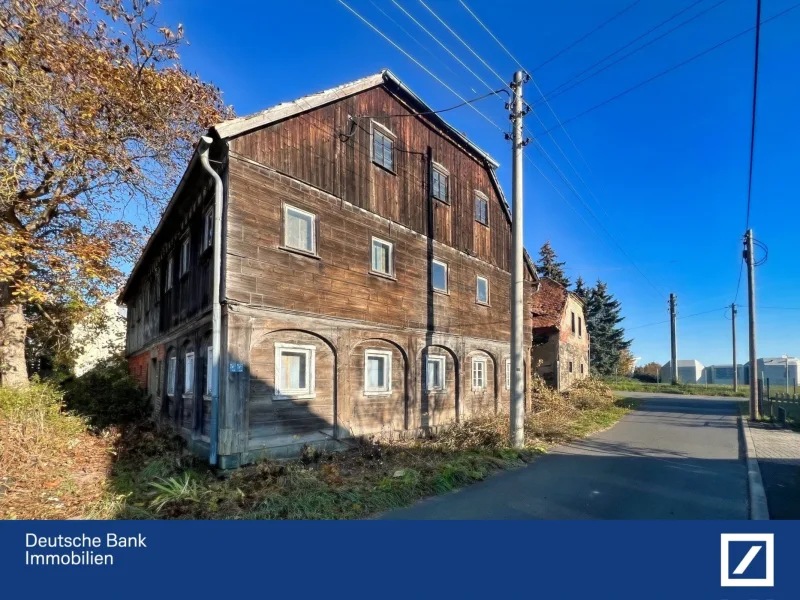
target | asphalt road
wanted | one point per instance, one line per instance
(675, 457)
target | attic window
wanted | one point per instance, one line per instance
(481, 209)
(439, 183)
(382, 146)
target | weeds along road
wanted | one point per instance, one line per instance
(674, 457)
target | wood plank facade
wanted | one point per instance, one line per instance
(354, 301)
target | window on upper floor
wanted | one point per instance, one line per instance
(382, 257)
(580, 327)
(209, 369)
(439, 280)
(508, 373)
(208, 228)
(168, 273)
(186, 246)
(481, 209)
(377, 372)
(439, 184)
(570, 366)
(482, 290)
(382, 146)
(573, 321)
(299, 230)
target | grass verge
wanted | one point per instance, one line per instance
(634, 385)
(141, 472)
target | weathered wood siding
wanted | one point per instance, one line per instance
(338, 283)
(308, 147)
(154, 311)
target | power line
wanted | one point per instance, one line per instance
(519, 64)
(450, 52)
(420, 44)
(419, 64)
(384, 36)
(670, 69)
(557, 91)
(684, 317)
(753, 119)
(579, 40)
(552, 163)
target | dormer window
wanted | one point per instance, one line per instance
(185, 252)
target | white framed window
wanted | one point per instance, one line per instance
(440, 181)
(208, 228)
(382, 257)
(439, 279)
(382, 146)
(377, 372)
(435, 367)
(478, 373)
(209, 368)
(508, 373)
(481, 209)
(168, 274)
(482, 290)
(299, 229)
(188, 373)
(172, 365)
(185, 251)
(294, 371)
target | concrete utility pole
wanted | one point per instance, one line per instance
(735, 368)
(751, 308)
(674, 340)
(517, 273)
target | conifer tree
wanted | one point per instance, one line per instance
(607, 338)
(549, 265)
(580, 288)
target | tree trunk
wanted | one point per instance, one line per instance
(13, 371)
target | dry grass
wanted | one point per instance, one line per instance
(150, 475)
(51, 467)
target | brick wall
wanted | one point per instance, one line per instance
(138, 368)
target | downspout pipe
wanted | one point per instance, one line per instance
(216, 308)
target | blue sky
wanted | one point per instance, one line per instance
(667, 163)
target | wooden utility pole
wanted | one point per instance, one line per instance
(751, 309)
(674, 340)
(735, 366)
(517, 270)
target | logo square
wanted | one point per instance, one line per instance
(754, 558)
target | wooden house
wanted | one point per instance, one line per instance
(364, 279)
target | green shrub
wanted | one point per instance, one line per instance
(107, 394)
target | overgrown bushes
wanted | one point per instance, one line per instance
(107, 395)
(50, 467)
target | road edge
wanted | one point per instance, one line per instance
(759, 511)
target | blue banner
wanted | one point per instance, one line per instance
(532, 559)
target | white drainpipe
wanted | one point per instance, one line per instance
(216, 307)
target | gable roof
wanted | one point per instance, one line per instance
(241, 125)
(548, 304)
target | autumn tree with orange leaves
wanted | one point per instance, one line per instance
(99, 120)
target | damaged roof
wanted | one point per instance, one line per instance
(547, 305)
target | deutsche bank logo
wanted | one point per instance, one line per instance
(748, 559)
